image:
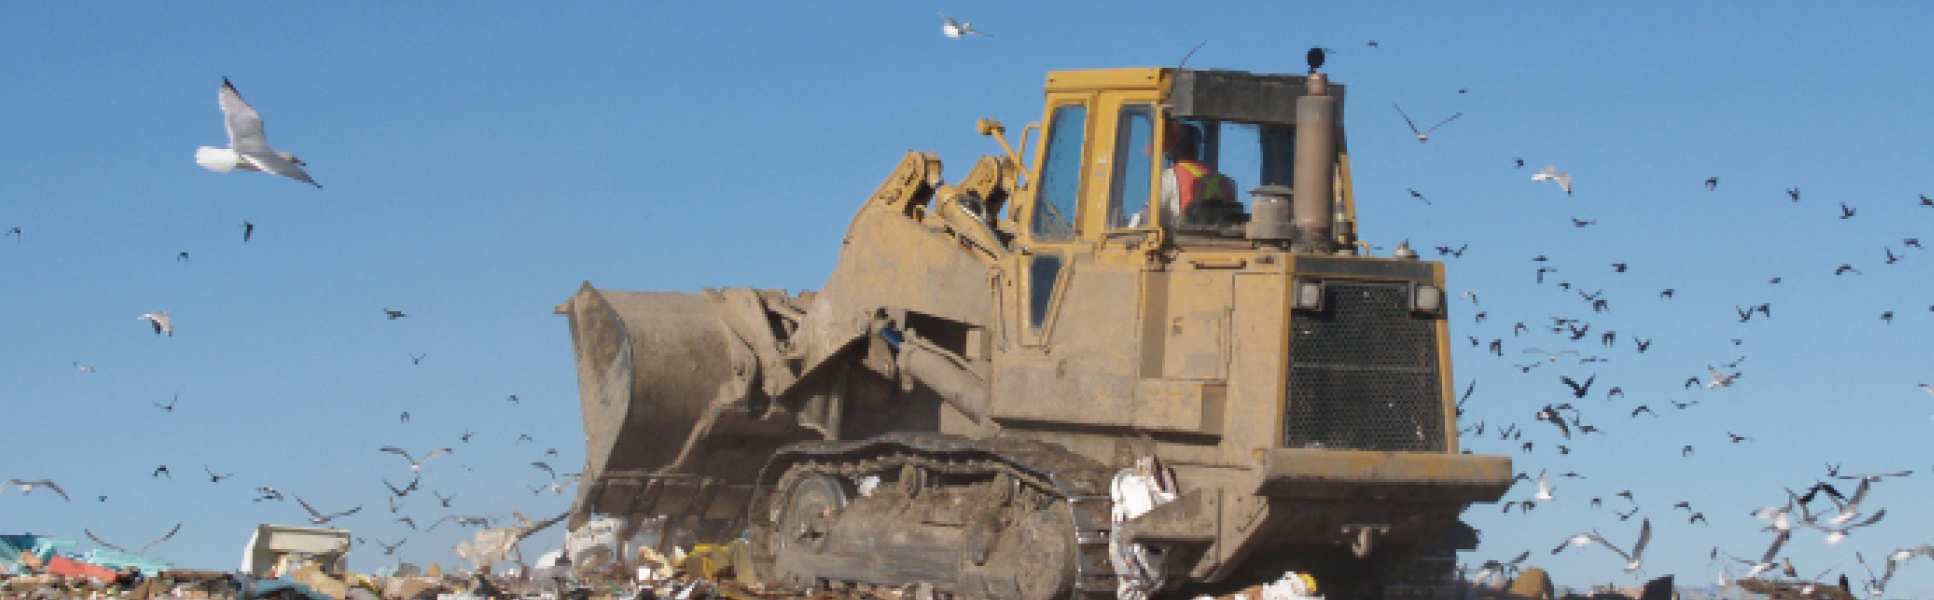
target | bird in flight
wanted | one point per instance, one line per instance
(1544, 488)
(417, 359)
(15, 232)
(161, 321)
(405, 490)
(1720, 380)
(444, 500)
(955, 29)
(394, 314)
(1793, 193)
(248, 147)
(318, 518)
(248, 230)
(212, 477)
(27, 487)
(1765, 562)
(144, 549)
(415, 465)
(1846, 212)
(390, 549)
(181, 256)
(1423, 135)
(83, 367)
(1578, 390)
(170, 406)
(1632, 560)
(1551, 173)
(462, 521)
(161, 470)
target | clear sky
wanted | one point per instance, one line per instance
(483, 159)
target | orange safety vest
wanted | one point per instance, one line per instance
(1189, 174)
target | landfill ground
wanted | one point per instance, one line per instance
(698, 579)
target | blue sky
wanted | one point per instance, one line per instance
(482, 160)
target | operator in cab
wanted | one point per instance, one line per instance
(1187, 181)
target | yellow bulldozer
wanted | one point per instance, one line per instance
(995, 360)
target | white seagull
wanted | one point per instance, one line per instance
(1544, 488)
(953, 29)
(1765, 562)
(144, 549)
(248, 147)
(1719, 379)
(1632, 560)
(1838, 531)
(1423, 135)
(27, 487)
(316, 516)
(161, 321)
(1551, 174)
(415, 465)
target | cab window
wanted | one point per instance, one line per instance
(1054, 204)
(1134, 161)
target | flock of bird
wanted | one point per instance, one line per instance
(248, 149)
(1591, 340)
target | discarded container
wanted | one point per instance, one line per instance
(61, 565)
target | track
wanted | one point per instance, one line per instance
(999, 518)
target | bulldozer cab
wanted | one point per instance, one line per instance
(1108, 147)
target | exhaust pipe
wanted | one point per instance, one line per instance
(1315, 166)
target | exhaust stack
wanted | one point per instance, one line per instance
(1315, 167)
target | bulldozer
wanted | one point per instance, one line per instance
(992, 358)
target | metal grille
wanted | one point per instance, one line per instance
(1363, 373)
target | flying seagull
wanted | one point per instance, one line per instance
(248, 147)
(161, 321)
(212, 477)
(1632, 560)
(27, 487)
(462, 521)
(1765, 562)
(1720, 380)
(1544, 488)
(415, 465)
(316, 517)
(405, 490)
(144, 549)
(170, 406)
(1423, 135)
(1550, 173)
(954, 29)
(1838, 531)
(248, 230)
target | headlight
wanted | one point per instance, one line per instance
(1428, 299)
(1308, 295)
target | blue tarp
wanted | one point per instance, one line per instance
(41, 546)
(120, 560)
